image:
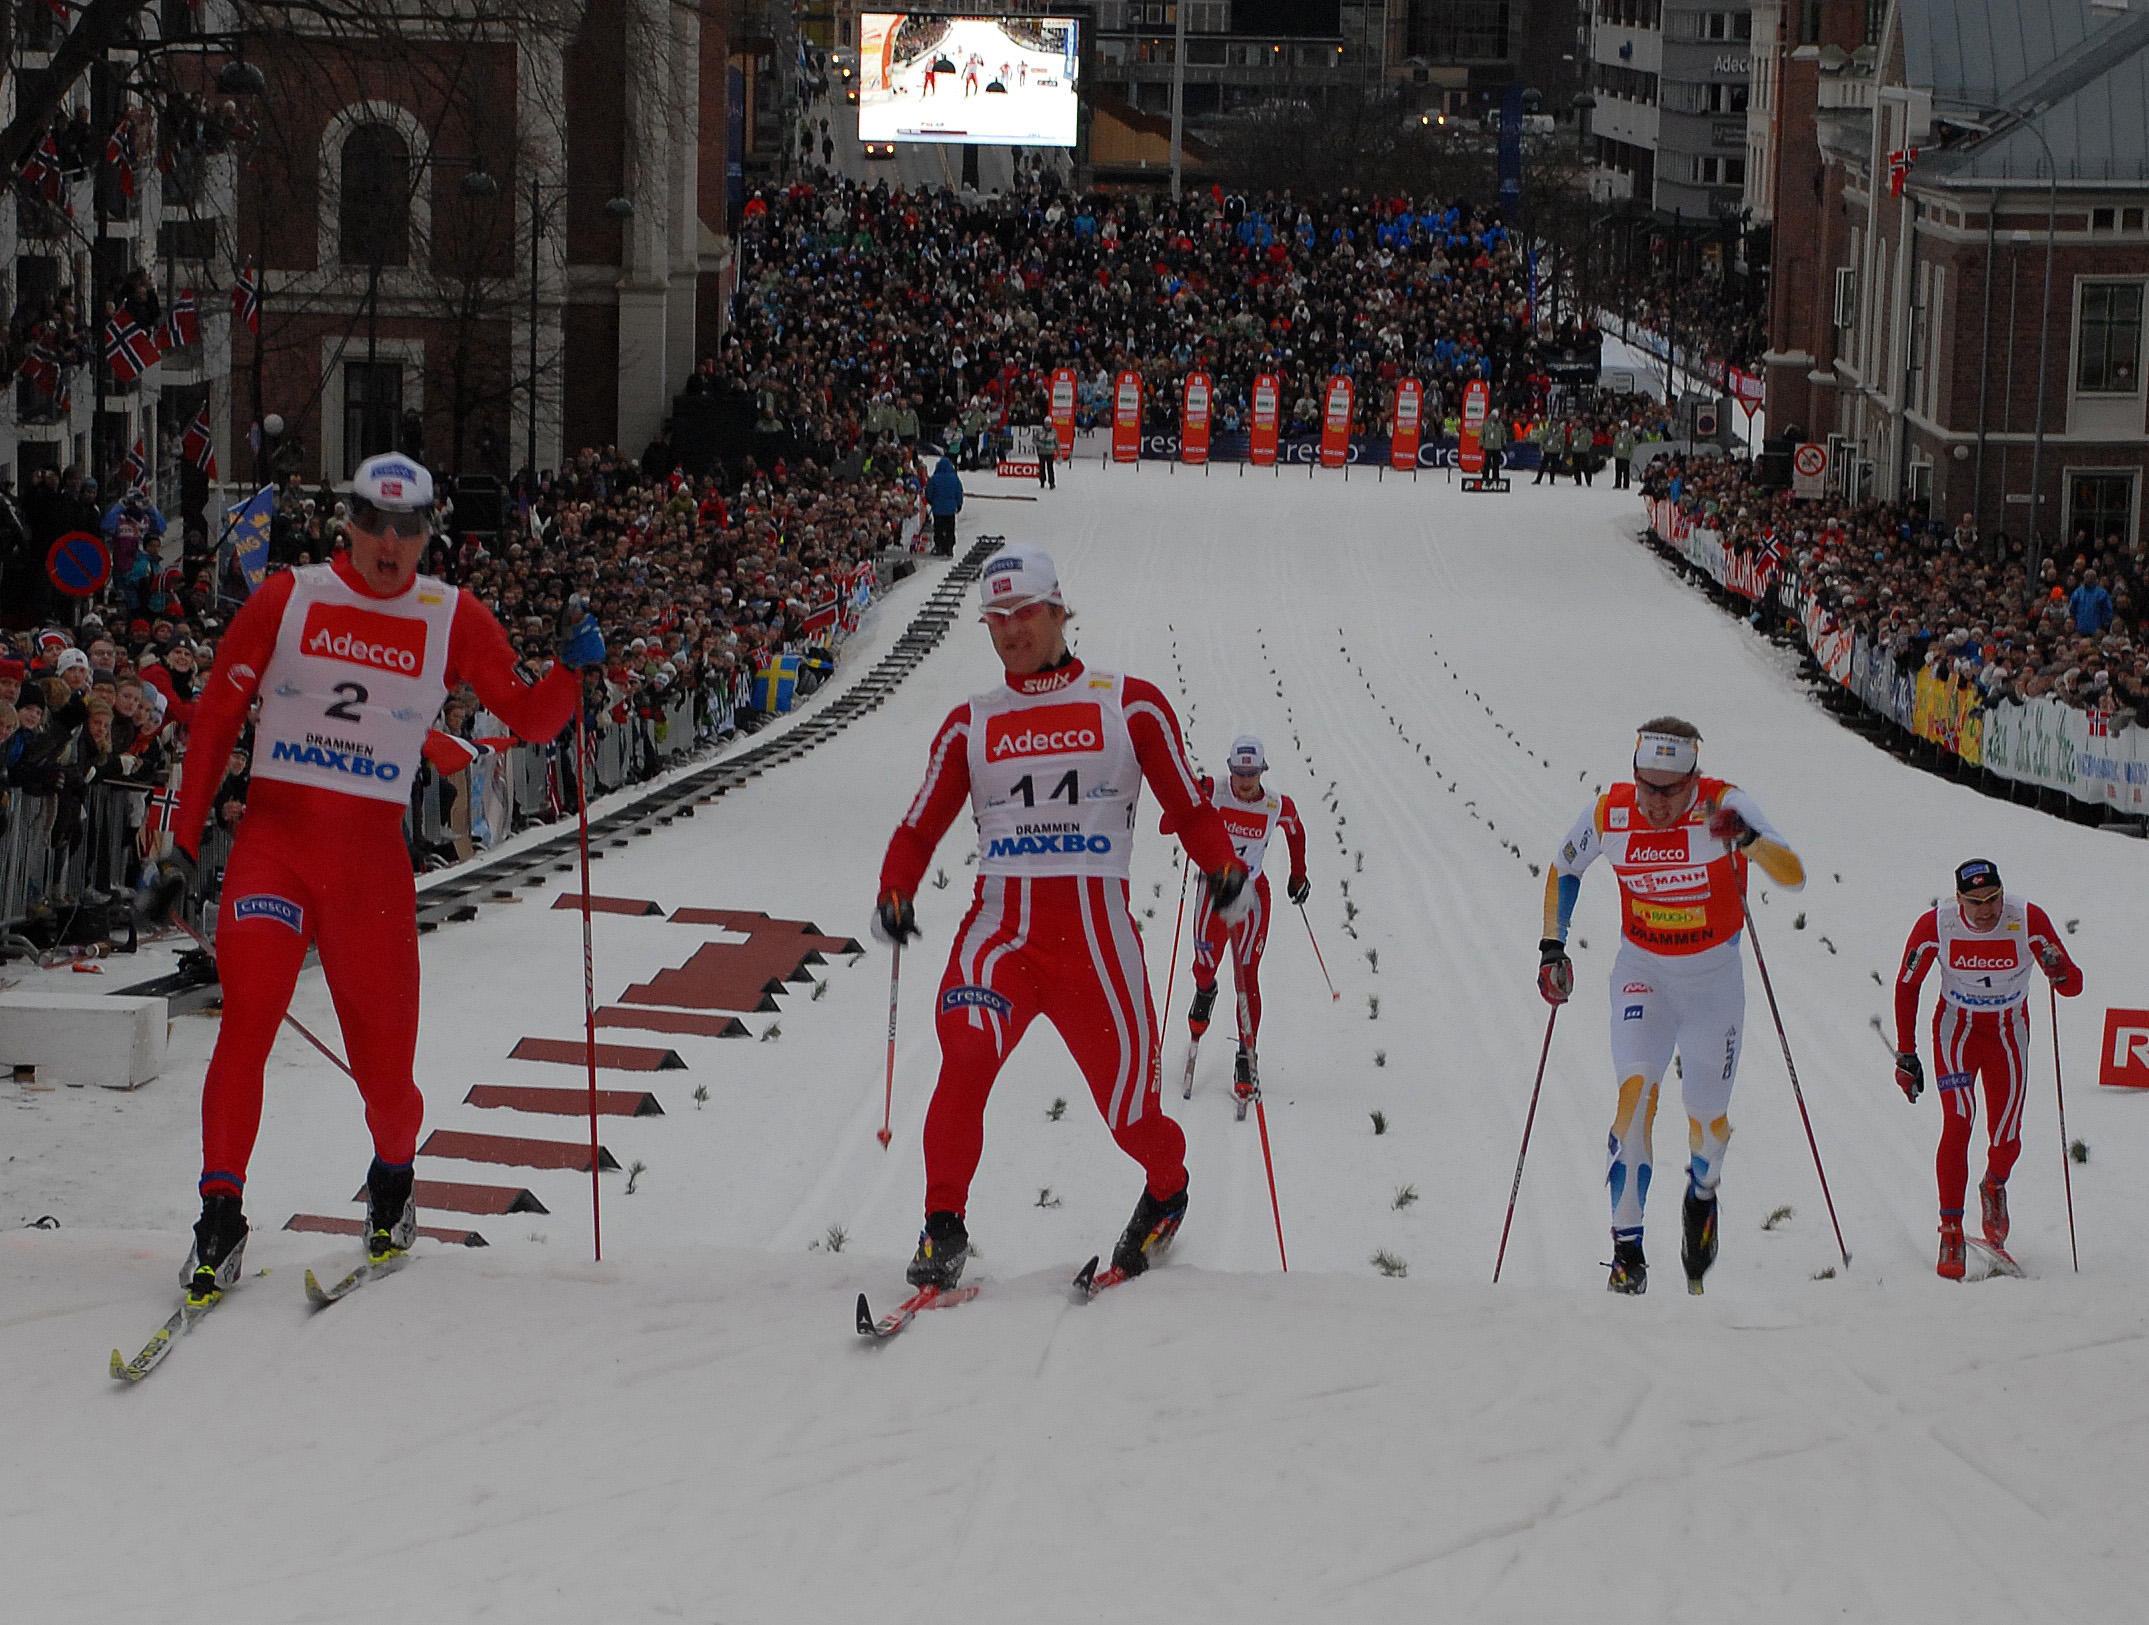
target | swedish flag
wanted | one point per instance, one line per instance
(776, 684)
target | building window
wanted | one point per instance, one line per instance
(374, 218)
(2103, 505)
(372, 409)
(2111, 339)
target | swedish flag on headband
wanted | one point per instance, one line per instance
(776, 684)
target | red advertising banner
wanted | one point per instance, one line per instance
(1194, 420)
(1127, 418)
(1262, 441)
(2126, 1050)
(1477, 403)
(1409, 416)
(1063, 411)
(1336, 423)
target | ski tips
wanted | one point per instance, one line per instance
(865, 1317)
(119, 1366)
(313, 1286)
(1088, 1276)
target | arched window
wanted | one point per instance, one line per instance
(374, 222)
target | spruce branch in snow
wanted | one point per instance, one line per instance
(1776, 1216)
(1373, 959)
(1380, 1122)
(1057, 1110)
(1389, 1265)
(1380, 1057)
(940, 880)
(1372, 1007)
(1799, 924)
(775, 1031)
(820, 991)
(2078, 1150)
(1046, 1199)
(836, 1236)
(1828, 1274)
(635, 1170)
(701, 1096)
(1404, 1196)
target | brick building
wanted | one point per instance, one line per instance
(408, 188)
(1924, 313)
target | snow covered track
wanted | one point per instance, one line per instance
(694, 1431)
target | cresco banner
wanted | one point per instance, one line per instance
(1127, 418)
(1409, 411)
(1063, 411)
(1336, 423)
(1194, 419)
(1262, 442)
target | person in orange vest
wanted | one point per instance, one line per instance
(1680, 844)
(1985, 942)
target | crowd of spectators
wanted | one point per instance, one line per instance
(1945, 597)
(863, 311)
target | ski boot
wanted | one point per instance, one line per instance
(1149, 1233)
(391, 1212)
(1630, 1270)
(1992, 1195)
(1697, 1240)
(219, 1251)
(1197, 1013)
(1951, 1259)
(1244, 1084)
(943, 1249)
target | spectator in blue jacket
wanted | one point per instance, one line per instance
(2091, 606)
(944, 495)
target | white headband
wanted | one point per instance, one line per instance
(1666, 753)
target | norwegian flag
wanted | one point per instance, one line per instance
(163, 808)
(59, 10)
(1899, 162)
(197, 447)
(41, 173)
(821, 618)
(130, 351)
(42, 368)
(134, 472)
(182, 325)
(246, 299)
(119, 152)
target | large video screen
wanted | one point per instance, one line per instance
(973, 80)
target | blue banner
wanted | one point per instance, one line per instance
(1366, 451)
(249, 532)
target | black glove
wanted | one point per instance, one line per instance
(1555, 971)
(895, 919)
(1300, 889)
(1226, 886)
(1727, 826)
(1909, 1074)
(171, 883)
(2050, 956)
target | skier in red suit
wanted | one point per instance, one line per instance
(1986, 942)
(350, 661)
(1252, 813)
(1052, 764)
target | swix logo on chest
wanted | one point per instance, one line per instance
(364, 637)
(1981, 955)
(1654, 846)
(1044, 730)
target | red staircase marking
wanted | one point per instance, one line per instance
(607, 905)
(677, 1021)
(616, 1057)
(739, 975)
(565, 1102)
(446, 1196)
(327, 1225)
(515, 1153)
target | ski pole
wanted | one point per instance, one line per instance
(2066, 1157)
(1261, 1116)
(1791, 1066)
(1333, 995)
(895, 980)
(295, 1024)
(589, 979)
(1528, 1123)
(1171, 979)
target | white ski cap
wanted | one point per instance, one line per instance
(1247, 757)
(1019, 574)
(1666, 753)
(394, 482)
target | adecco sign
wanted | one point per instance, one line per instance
(2126, 1050)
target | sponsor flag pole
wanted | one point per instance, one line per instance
(2066, 1157)
(589, 978)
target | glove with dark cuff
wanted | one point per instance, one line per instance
(1300, 889)
(1228, 892)
(895, 920)
(1727, 826)
(1555, 971)
(1909, 1074)
(173, 879)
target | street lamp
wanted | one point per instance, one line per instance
(617, 208)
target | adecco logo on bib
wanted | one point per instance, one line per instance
(364, 638)
(1044, 730)
(1979, 956)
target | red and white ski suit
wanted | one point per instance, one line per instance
(1981, 1027)
(1052, 765)
(1250, 824)
(349, 684)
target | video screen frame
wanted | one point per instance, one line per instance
(995, 79)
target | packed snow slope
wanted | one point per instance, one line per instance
(692, 1431)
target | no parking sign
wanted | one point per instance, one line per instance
(79, 564)
(1809, 470)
